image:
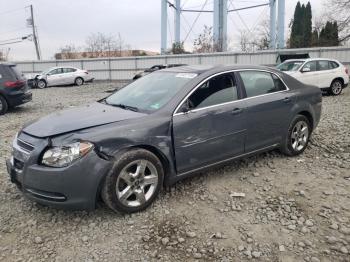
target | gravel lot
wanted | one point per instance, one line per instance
(292, 209)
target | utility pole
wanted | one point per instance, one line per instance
(35, 38)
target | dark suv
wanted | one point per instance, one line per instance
(14, 89)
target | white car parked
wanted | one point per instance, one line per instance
(328, 74)
(62, 76)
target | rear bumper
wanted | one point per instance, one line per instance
(17, 99)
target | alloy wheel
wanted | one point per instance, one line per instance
(336, 88)
(78, 81)
(299, 135)
(137, 183)
(41, 84)
(1, 105)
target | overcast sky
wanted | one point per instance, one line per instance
(62, 22)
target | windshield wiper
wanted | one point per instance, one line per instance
(132, 108)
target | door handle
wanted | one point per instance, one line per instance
(237, 111)
(287, 100)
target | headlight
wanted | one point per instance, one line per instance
(65, 155)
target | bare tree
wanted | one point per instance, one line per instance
(257, 39)
(339, 10)
(102, 45)
(204, 42)
(68, 52)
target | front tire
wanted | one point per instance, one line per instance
(3, 105)
(41, 84)
(79, 81)
(336, 88)
(134, 181)
(298, 136)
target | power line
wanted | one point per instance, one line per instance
(188, 24)
(11, 11)
(14, 30)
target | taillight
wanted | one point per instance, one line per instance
(12, 84)
(346, 71)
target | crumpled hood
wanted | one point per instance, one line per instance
(74, 119)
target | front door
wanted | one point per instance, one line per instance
(210, 124)
(54, 77)
(308, 74)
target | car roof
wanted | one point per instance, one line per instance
(199, 69)
(7, 64)
(310, 59)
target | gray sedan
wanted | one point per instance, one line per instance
(166, 126)
(62, 76)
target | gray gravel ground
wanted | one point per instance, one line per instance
(292, 209)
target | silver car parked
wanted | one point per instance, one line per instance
(62, 76)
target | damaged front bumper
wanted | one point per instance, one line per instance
(73, 187)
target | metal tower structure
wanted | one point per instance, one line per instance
(163, 25)
(220, 12)
(281, 20)
(272, 24)
(220, 25)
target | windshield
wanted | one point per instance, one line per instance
(290, 66)
(45, 72)
(150, 92)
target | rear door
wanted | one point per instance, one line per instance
(68, 75)
(213, 126)
(326, 73)
(309, 74)
(269, 104)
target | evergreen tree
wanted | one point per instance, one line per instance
(307, 26)
(296, 27)
(335, 34)
(314, 38)
(301, 33)
(329, 35)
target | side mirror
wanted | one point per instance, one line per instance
(185, 107)
(304, 70)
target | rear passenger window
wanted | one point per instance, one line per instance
(333, 64)
(260, 83)
(69, 70)
(322, 65)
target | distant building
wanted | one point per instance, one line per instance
(99, 54)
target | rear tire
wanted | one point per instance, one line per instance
(298, 136)
(3, 105)
(41, 84)
(133, 182)
(79, 81)
(336, 88)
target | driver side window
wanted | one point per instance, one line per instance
(56, 71)
(310, 65)
(217, 90)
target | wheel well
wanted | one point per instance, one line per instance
(340, 79)
(79, 77)
(309, 117)
(163, 159)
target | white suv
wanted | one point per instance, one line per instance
(328, 74)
